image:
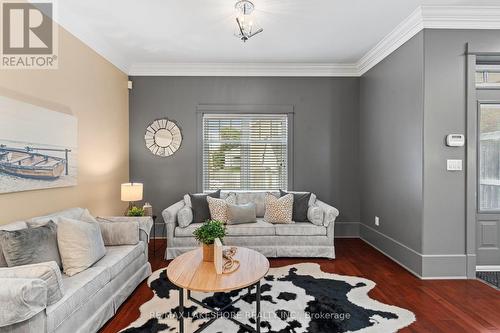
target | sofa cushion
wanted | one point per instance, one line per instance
(119, 233)
(300, 205)
(300, 229)
(79, 289)
(30, 246)
(279, 210)
(199, 205)
(259, 228)
(118, 258)
(218, 207)
(185, 216)
(238, 214)
(11, 227)
(80, 244)
(73, 213)
(258, 198)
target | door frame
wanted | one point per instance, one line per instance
(473, 52)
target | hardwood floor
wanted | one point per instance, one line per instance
(439, 305)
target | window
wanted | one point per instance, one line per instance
(488, 76)
(245, 152)
(489, 157)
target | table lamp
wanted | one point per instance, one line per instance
(131, 192)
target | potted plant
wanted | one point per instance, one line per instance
(207, 234)
(135, 211)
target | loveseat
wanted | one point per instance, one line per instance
(298, 239)
(90, 298)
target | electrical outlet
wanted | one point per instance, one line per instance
(377, 221)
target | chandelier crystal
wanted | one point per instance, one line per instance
(246, 25)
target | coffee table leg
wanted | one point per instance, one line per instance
(181, 310)
(257, 301)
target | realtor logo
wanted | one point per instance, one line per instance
(29, 35)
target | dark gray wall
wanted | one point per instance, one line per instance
(325, 132)
(445, 112)
(408, 104)
(391, 151)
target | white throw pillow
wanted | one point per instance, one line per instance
(279, 210)
(315, 215)
(185, 216)
(218, 207)
(80, 244)
(119, 233)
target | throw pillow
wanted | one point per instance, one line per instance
(218, 207)
(119, 233)
(46, 271)
(300, 205)
(31, 245)
(184, 216)
(199, 204)
(315, 215)
(80, 244)
(279, 210)
(238, 214)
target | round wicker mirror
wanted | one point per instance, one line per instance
(163, 137)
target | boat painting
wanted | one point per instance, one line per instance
(29, 164)
(38, 147)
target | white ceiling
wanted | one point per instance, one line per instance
(133, 33)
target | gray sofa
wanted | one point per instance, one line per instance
(299, 239)
(91, 297)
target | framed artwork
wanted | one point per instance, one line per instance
(38, 147)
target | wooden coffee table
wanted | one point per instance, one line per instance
(188, 271)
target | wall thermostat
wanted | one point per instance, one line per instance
(455, 140)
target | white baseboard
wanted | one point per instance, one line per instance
(487, 268)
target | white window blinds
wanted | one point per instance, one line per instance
(245, 152)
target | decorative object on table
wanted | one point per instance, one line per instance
(302, 289)
(230, 264)
(135, 211)
(38, 147)
(246, 25)
(163, 137)
(148, 209)
(218, 259)
(131, 193)
(206, 234)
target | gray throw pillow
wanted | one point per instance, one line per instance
(199, 205)
(237, 214)
(300, 205)
(30, 246)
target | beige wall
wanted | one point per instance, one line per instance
(95, 91)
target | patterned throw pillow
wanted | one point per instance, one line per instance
(279, 210)
(218, 207)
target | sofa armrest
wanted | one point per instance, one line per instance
(21, 299)
(170, 218)
(330, 212)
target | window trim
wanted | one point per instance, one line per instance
(203, 109)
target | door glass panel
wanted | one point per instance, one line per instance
(489, 157)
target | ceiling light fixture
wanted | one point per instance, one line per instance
(247, 28)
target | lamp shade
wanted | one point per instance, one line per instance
(132, 192)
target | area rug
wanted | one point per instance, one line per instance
(491, 278)
(297, 298)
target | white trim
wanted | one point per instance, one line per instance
(486, 268)
(392, 258)
(424, 17)
(244, 69)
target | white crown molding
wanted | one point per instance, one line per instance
(431, 17)
(243, 69)
(424, 17)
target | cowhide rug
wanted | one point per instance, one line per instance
(297, 298)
